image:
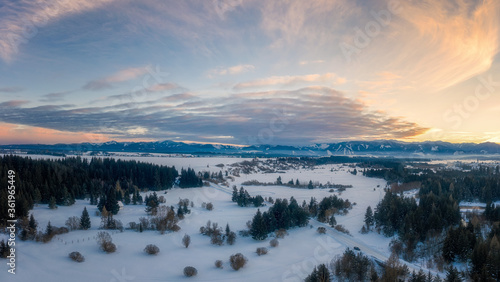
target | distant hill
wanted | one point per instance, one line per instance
(376, 148)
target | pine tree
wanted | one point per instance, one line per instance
(234, 197)
(52, 203)
(49, 229)
(258, 230)
(278, 181)
(369, 217)
(85, 220)
(452, 275)
(102, 203)
(111, 202)
(33, 224)
(228, 230)
(310, 185)
(332, 221)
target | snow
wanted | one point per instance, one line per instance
(292, 260)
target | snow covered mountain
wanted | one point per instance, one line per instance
(379, 147)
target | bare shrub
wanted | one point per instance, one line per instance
(218, 264)
(261, 251)
(237, 261)
(249, 224)
(105, 242)
(231, 238)
(76, 256)
(274, 243)
(186, 240)
(342, 229)
(144, 222)
(73, 223)
(190, 271)
(217, 238)
(152, 249)
(133, 225)
(321, 230)
(108, 247)
(210, 206)
(165, 220)
(280, 233)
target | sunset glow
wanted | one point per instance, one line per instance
(249, 71)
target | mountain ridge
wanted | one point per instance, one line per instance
(375, 147)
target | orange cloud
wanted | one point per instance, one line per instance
(329, 78)
(21, 134)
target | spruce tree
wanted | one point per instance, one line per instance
(332, 221)
(369, 217)
(85, 220)
(52, 203)
(258, 230)
(111, 202)
(49, 229)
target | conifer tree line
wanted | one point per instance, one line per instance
(243, 198)
(283, 214)
(61, 181)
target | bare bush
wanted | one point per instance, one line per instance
(105, 242)
(274, 243)
(280, 233)
(231, 238)
(152, 249)
(186, 240)
(73, 223)
(76, 256)
(321, 230)
(237, 261)
(217, 238)
(144, 222)
(218, 264)
(133, 225)
(210, 206)
(165, 220)
(108, 247)
(342, 229)
(261, 251)
(190, 271)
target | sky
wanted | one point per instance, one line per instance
(249, 72)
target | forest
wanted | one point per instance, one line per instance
(61, 181)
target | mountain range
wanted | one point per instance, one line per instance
(376, 148)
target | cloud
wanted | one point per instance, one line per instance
(436, 44)
(311, 23)
(21, 20)
(11, 89)
(230, 71)
(13, 103)
(54, 97)
(303, 63)
(302, 116)
(327, 78)
(120, 76)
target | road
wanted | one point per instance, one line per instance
(349, 241)
(352, 242)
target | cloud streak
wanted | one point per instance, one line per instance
(313, 114)
(120, 76)
(327, 78)
(20, 20)
(231, 70)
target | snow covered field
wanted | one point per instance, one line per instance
(292, 260)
